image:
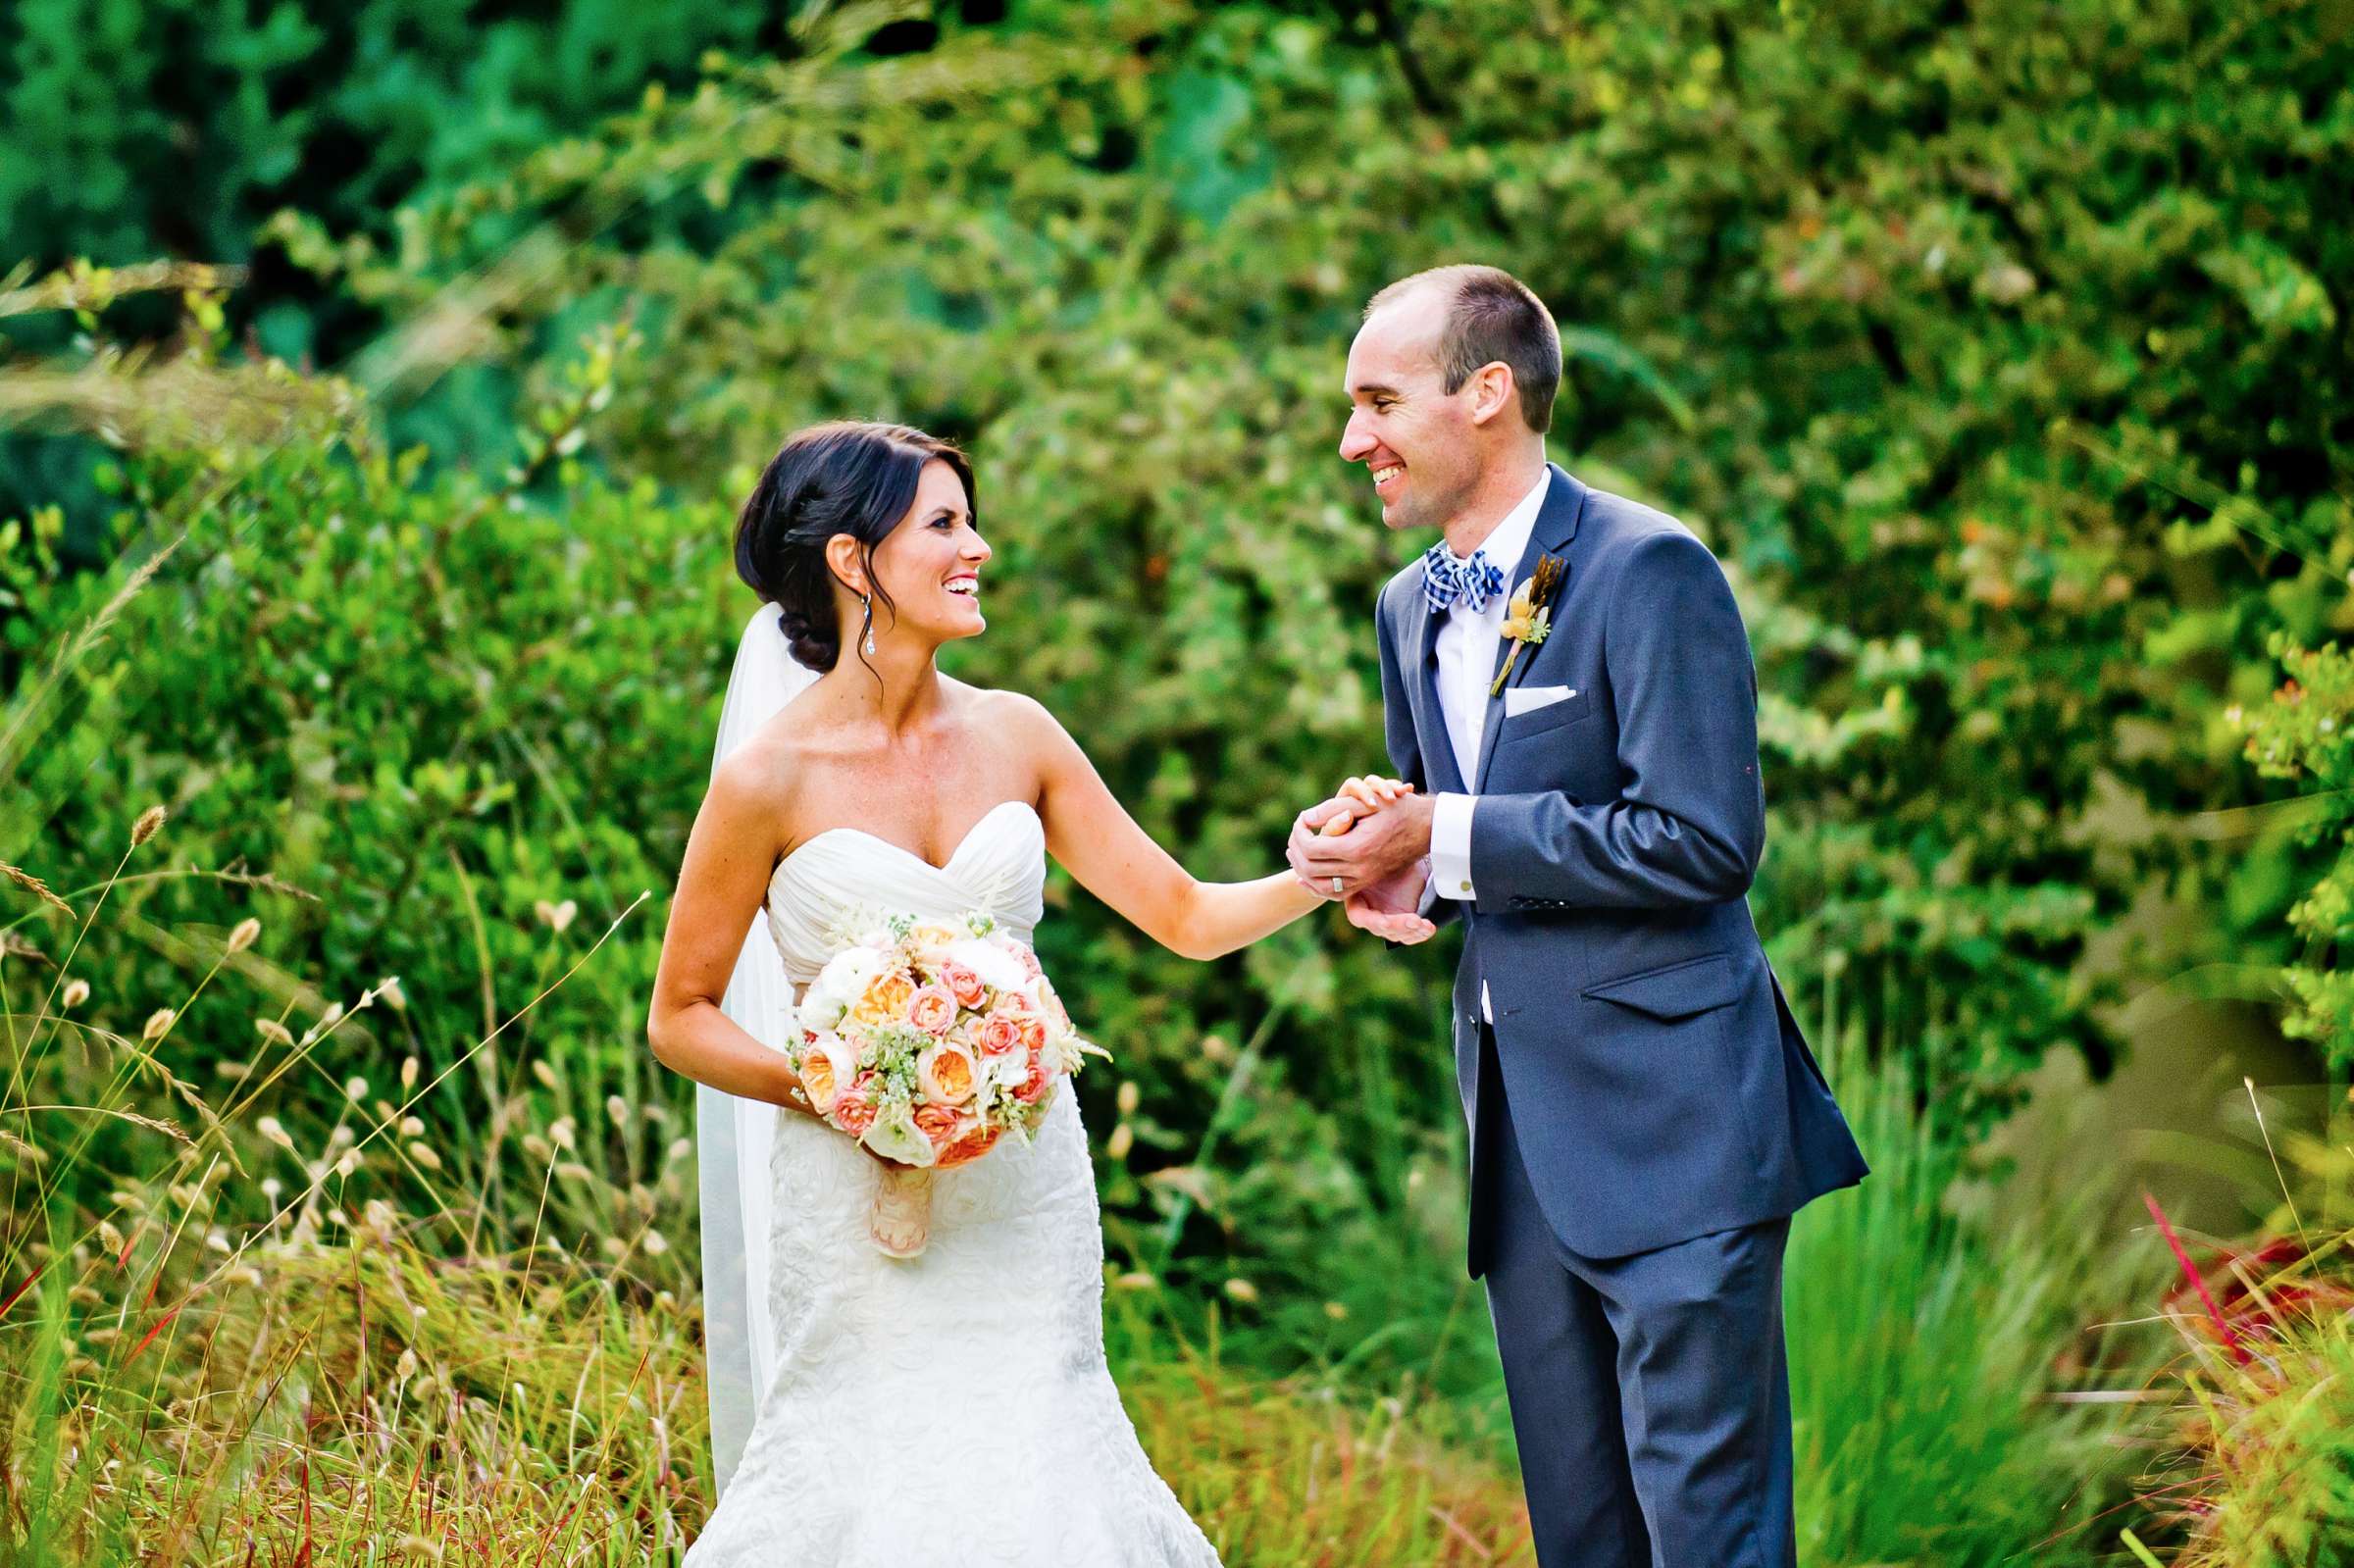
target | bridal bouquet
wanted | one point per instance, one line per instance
(927, 1042)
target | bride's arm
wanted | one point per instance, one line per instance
(722, 881)
(1108, 854)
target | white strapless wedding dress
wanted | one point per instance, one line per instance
(953, 1408)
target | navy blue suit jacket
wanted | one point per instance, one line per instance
(1658, 1082)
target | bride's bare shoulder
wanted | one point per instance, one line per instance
(1014, 715)
(1019, 722)
(764, 772)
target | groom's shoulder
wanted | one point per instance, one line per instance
(1622, 520)
(1630, 530)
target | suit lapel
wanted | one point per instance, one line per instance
(1557, 526)
(1440, 773)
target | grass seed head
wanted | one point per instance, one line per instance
(144, 829)
(34, 886)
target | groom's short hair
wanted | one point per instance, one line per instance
(1493, 315)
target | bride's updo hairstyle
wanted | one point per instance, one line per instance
(848, 476)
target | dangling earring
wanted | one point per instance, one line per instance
(870, 625)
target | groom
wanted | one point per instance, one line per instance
(1569, 688)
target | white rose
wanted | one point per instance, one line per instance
(838, 986)
(896, 1137)
(995, 1075)
(998, 970)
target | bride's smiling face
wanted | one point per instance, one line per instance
(928, 567)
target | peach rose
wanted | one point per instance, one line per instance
(943, 1125)
(1034, 1033)
(855, 1107)
(963, 984)
(944, 1073)
(1028, 960)
(932, 1010)
(826, 1065)
(1000, 1033)
(977, 1141)
(1040, 1078)
(886, 996)
(930, 943)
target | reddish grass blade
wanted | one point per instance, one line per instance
(2190, 1272)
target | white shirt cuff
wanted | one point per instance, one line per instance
(1450, 846)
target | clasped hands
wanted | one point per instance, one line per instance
(1368, 847)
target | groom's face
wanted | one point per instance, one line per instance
(1418, 444)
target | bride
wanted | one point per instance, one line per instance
(954, 1407)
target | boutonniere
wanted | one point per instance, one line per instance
(1529, 617)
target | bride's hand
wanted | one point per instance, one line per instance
(1370, 794)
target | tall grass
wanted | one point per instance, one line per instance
(201, 1362)
(1947, 1387)
(2255, 1465)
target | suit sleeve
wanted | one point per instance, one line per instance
(1688, 827)
(1405, 752)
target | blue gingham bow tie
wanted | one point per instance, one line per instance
(1446, 579)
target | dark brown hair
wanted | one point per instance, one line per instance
(849, 477)
(1493, 315)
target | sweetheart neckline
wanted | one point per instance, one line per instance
(941, 870)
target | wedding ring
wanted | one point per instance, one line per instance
(1337, 889)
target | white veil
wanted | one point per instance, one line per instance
(732, 1134)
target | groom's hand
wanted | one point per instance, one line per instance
(1376, 849)
(1390, 909)
(1357, 798)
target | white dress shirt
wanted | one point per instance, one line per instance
(1466, 646)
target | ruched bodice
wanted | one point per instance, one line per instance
(953, 1408)
(822, 894)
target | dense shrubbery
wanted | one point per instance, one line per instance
(2000, 355)
(1995, 353)
(1997, 367)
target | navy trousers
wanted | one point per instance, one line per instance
(1650, 1394)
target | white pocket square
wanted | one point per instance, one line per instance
(1528, 699)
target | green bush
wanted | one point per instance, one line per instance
(1992, 349)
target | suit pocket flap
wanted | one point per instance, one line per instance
(1676, 992)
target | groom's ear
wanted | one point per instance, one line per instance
(1491, 390)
